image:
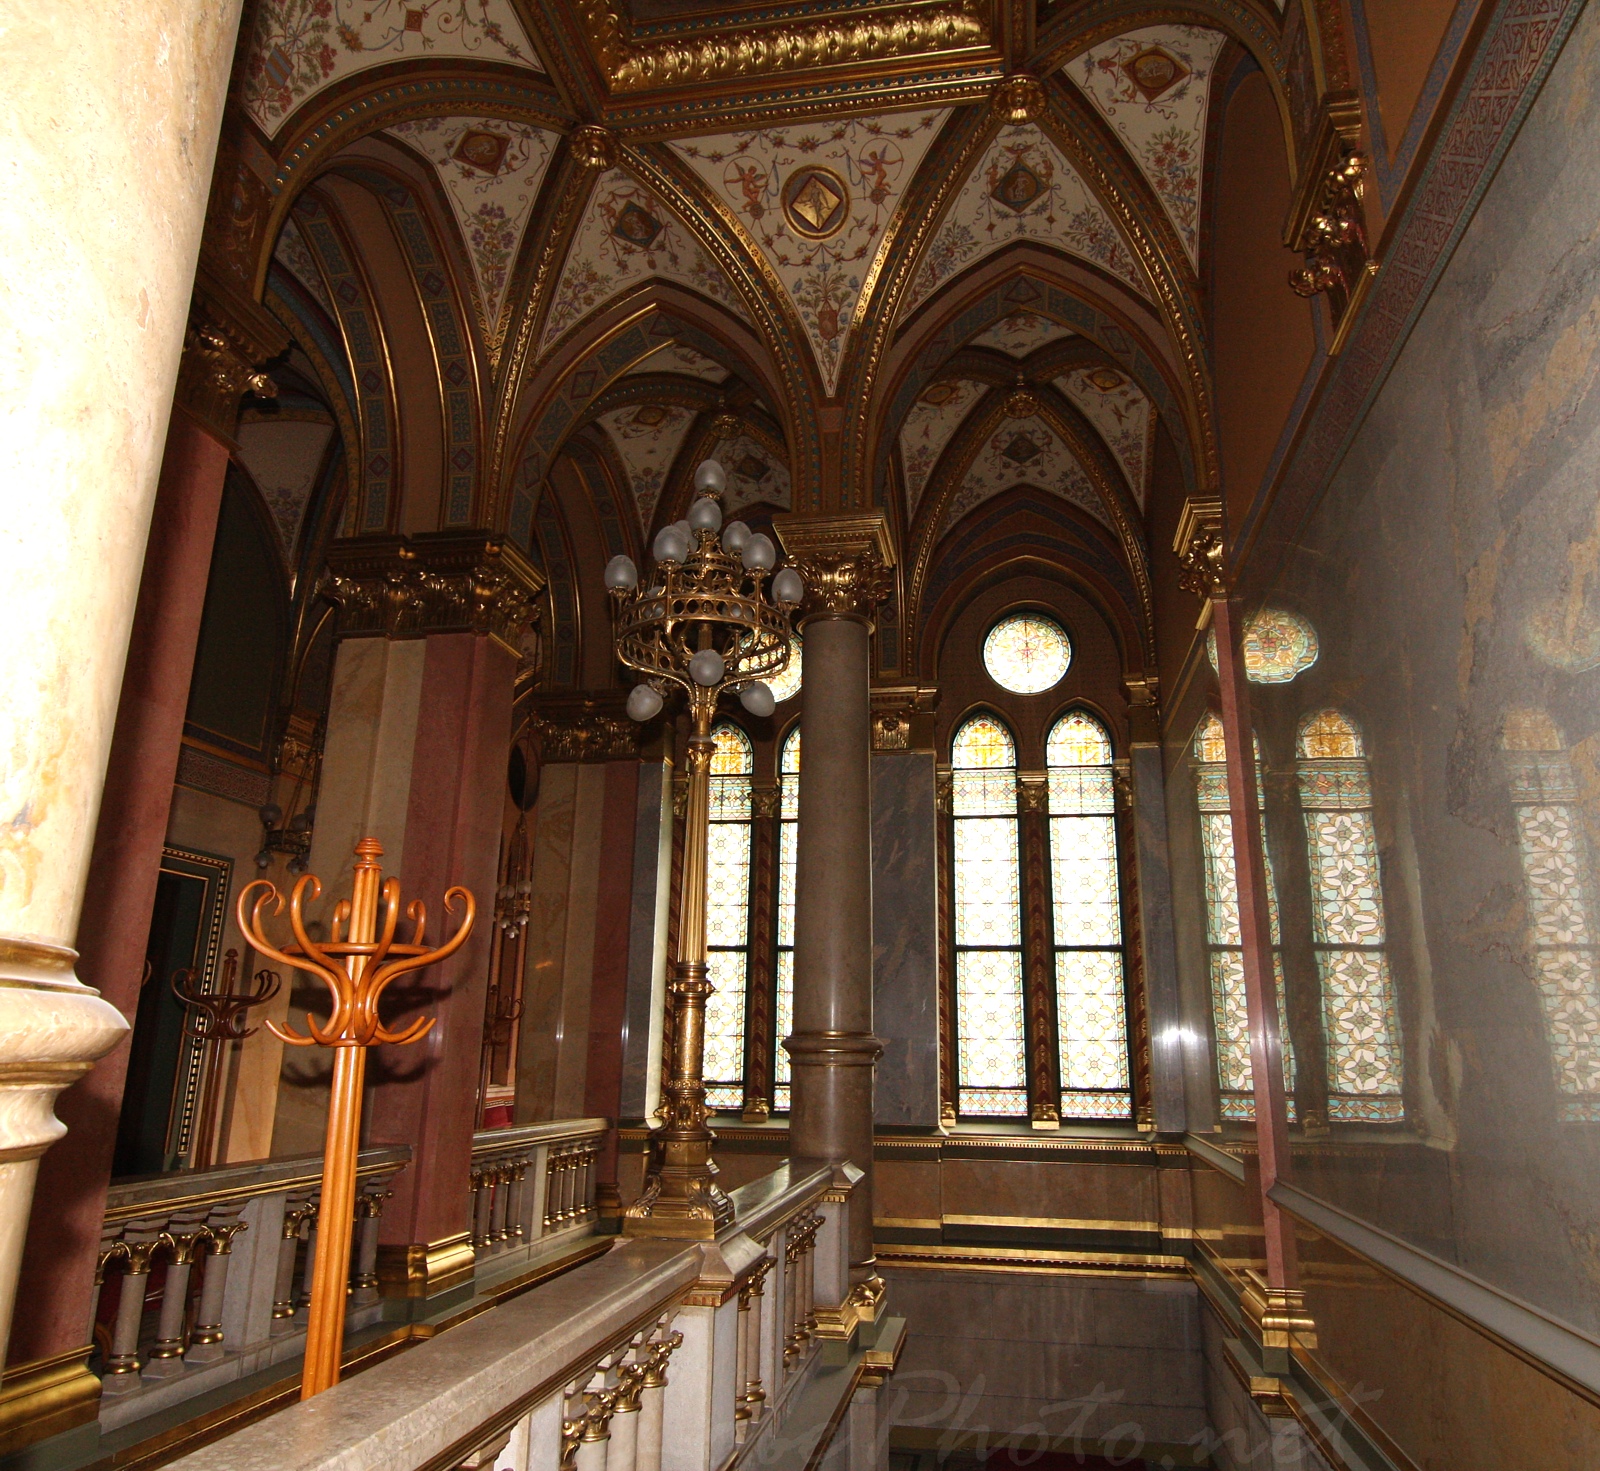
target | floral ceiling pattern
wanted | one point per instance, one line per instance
(647, 438)
(1152, 86)
(1023, 188)
(816, 199)
(933, 419)
(1118, 409)
(491, 169)
(678, 358)
(1024, 452)
(283, 458)
(299, 47)
(294, 255)
(755, 474)
(629, 235)
(1022, 333)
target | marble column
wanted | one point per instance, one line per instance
(419, 733)
(844, 561)
(109, 132)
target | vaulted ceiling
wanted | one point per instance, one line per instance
(949, 258)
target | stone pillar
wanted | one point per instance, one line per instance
(106, 203)
(1153, 876)
(845, 561)
(419, 733)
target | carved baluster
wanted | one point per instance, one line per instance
(497, 1215)
(793, 1339)
(744, 1346)
(624, 1452)
(753, 1394)
(166, 1353)
(514, 1227)
(122, 1367)
(302, 1302)
(205, 1345)
(294, 1218)
(481, 1203)
(652, 1399)
(552, 1189)
(369, 1212)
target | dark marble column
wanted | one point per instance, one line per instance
(834, 1050)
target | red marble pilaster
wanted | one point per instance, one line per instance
(57, 1283)
(425, 1095)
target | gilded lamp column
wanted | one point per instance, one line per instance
(845, 561)
(101, 227)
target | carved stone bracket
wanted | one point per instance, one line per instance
(225, 341)
(1199, 547)
(1334, 238)
(846, 562)
(586, 727)
(436, 582)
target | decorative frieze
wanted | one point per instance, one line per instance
(902, 717)
(436, 582)
(584, 727)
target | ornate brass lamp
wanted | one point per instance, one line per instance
(356, 963)
(709, 623)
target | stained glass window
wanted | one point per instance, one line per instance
(1027, 653)
(787, 685)
(1277, 645)
(788, 837)
(1091, 1006)
(728, 915)
(1225, 954)
(991, 1071)
(1558, 874)
(1359, 1019)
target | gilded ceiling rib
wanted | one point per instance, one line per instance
(717, 229)
(957, 460)
(1091, 147)
(926, 30)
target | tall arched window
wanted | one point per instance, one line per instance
(728, 915)
(991, 1072)
(788, 837)
(1359, 1018)
(1229, 1012)
(1091, 1005)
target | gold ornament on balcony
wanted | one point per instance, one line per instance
(714, 619)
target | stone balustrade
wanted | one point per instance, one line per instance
(248, 1234)
(533, 1182)
(656, 1356)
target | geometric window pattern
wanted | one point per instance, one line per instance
(1224, 942)
(1091, 1005)
(1558, 875)
(1277, 645)
(1359, 1017)
(788, 838)
(991, 1072)
(728, 915)
(1027, 653)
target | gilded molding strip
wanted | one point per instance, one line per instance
(1531, 1334)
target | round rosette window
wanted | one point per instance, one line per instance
(1027, 653)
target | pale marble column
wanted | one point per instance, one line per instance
(108, 138)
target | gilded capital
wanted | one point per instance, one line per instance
(436, 582)
(223, 344)
(588, 727)
(1199, 547)
(846, 562)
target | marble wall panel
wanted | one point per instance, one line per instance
(1038, 1189)
(905, 965)
(647, 942)
(1239, 1435)
(907, 1190)
(540, 1032)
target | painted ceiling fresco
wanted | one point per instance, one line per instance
(935, 416)
(647, 438)
(628, 235)
(1021, 333)
(755, 474)
(294, 255)
(1118, 409)
(1024, 452)
(491, 169)
(283, 457)
(299, 47)
(1023, 189)
(1152, 86)
(678, 358)
(816, 198)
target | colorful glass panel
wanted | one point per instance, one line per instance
(1027, 653)
(1559, 879)
(788, 837)
(991, 1069)
(1359, 1017)
(1277, 645)
(1091, 1004)
(728, 915)
(787, 685)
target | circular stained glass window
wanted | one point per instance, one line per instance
(786, 686)
(1027, 653)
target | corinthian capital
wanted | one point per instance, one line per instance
(1199, 547)
(225, 340)
(846, 562)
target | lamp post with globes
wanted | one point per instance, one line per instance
(710, 623)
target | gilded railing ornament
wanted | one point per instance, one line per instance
(708, 622)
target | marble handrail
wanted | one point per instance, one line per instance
(531, 1181)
